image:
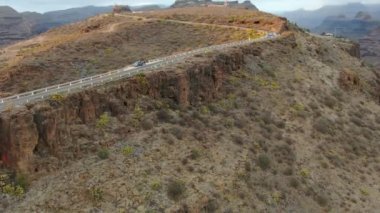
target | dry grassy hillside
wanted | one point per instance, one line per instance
(223, 16)
(98, 45)
(294, 127)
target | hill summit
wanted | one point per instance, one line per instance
(247, 4)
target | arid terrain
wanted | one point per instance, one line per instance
(286, 125)
(98, 45)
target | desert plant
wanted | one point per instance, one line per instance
(22, 181)
(175, 189)
(57, 98)
(147, 124)
(164, 115)
(305, 173)
(103, 121)
(103, 153)
(156, 186)
(142, 81)
(96, 194)
(138, 114)
(128, 150)
(14, 190)
(324, 125)
(195, 154)
(293, 182)
(263, 161)
(177, 132)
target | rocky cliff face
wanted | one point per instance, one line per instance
(51, 131)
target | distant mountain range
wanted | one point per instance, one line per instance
(312, 19)
(16, 26)
(356, 21)
(351, 27)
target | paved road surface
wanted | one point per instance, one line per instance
(20, 100)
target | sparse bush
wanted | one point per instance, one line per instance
(142, 81)
(241, 122)
(204, 110)
(164, 115)
(324, 125)
(13, 190)
(147, 124)
(138, 114)
(267, 117)
(330, 102)
(176, 189)
(128, 150)
(276, 196)
(96, 194)
(364, 191)
(305, 173)
(293, 182)
(22, 181)
(195, 154)
(264, 162)
(103, 121)
(177, 132)
(57, 98)
(103, 153)
(156, 186)
(238, 139)
(210, 207)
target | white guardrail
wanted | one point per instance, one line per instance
(100, 79)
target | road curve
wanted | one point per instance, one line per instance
(20, 100)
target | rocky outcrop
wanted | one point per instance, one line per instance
(48, 128)
(53, 129)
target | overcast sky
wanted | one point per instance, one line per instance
(265, 5)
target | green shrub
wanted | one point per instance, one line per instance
(103, 153)
(330, 102)
(305, 173)
(57, 98)
(13, 190)
(138, 114)
(96, 194)
(195, 154)
(147, 124)
(103, 121)
(156, 186)
(176, 189)
(128, 150)
(177, 132)
(164, 115)
(324, 125)
(22, 181)
(264, 162)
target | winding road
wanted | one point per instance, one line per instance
(20, 100)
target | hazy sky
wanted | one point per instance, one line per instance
(266, 5)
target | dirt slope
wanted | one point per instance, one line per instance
(286, 125)
(100, 44)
